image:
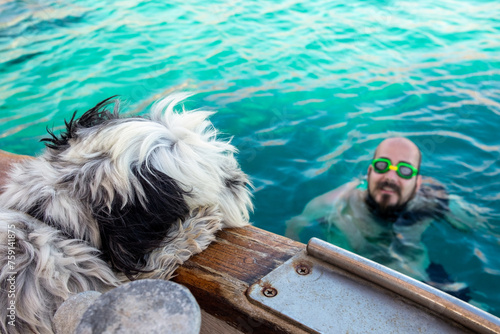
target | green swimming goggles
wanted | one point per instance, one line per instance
(404, 170)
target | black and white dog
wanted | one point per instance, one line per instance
(113, 199)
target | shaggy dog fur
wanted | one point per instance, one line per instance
(113, 199)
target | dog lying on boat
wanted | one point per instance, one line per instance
(113, 199)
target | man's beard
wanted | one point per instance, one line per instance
(383, 208)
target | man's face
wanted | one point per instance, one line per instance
(389, 190)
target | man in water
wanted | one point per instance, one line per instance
(384, 217)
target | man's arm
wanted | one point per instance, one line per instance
(465, 216)
(318, 209)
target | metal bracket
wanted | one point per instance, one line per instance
(356, 295)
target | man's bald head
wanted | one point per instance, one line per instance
(400, 142)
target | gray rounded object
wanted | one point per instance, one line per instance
(145, 306)
(69, 314)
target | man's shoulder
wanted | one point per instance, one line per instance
(432, 199)
(344, 190)
(431, 188)
(328, 199)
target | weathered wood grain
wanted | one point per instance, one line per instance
(219, 277)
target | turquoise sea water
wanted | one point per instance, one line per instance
(307, 89)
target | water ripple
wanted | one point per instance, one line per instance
(307, 89)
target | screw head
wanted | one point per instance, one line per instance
(302, 270)
(269, 292)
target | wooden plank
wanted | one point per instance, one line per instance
(212, 325)
(220, 276)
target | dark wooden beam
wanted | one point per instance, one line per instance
(220, 276)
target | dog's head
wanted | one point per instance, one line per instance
(134, 178)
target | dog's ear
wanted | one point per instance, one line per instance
(235, 197)
(95, 116)
(130, 231)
